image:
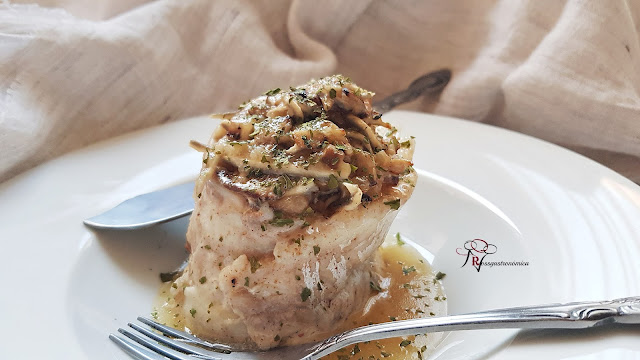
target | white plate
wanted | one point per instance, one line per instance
(573, 221)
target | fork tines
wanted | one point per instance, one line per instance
(147, 344)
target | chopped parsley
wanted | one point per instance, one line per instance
(356, 349)
(405, 343)
(399, 240)
(393, 204)
(255, 264)
(304, 295)
(286, 181)
(333, 182)
(272, 92)
(193, 312)
(332, 93)
(203, 280)
(246, 281)
(440, 275)
(254, 173)
(316, 249)
(408, 270)
(307, 142)
(280, 222)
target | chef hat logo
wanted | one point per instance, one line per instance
(475, 251)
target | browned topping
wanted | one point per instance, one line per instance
(297, 148)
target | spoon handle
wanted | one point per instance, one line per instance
(431, 83)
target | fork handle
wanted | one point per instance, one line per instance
(576, 315)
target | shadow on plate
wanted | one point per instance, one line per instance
(157, 249)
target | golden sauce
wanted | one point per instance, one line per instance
(165, 309)
(408, 289)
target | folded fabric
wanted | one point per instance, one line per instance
(73, 73)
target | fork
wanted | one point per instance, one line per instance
(156, 341)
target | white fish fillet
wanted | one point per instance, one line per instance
(261, 272)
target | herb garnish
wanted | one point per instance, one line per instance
(333, 182)
(279, 221)
(304, 295)
(255, 264)
(393, 204)
(277, 190)
(272, 92)
(408, 270)
(254, 173)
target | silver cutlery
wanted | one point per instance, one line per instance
(177, 201)
(157, 341)
(147, 209)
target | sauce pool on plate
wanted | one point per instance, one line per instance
(406, 288)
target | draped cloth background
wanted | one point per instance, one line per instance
(74, 72)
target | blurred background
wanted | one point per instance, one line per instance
(74, 72)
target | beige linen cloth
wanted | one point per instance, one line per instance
(73, 72)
